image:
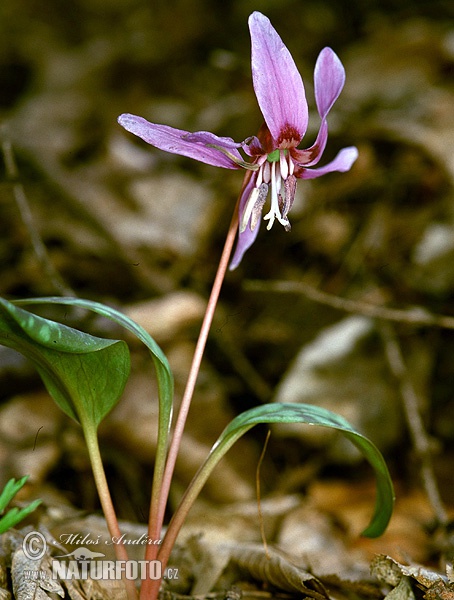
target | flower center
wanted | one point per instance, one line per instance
(275, 172)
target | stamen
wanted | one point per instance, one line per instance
(277, 173)
(258, 183)
(283, 166)
(260, 164)
(254, 206)
(248, 209)
(290, 190)
(267, 172)
(258, 206)
(239, 162)
(274, 211)
(283, 205)
(276, 199)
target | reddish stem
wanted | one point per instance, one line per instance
(150, 588)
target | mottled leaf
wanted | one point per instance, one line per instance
(163, 372)
(309, 415)
(84, 374)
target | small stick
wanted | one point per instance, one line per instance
(420, 439)
(413, 316)
(37, 243)
(259, 499)
(416, 316)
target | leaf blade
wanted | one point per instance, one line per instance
(316, 415)
(163, 372)
(84, 374)
(289, 413)
(15, 514)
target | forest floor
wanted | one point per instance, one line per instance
(352, 310)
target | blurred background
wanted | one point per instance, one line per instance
(142, 230)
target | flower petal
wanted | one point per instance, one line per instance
(252, 146)
(207, 138)
(277, 83)
(247, 237)
(329, 79)
(311, 156)
(343, 162)
(244, 242)
(178, 141)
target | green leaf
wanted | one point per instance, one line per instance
(84, 374)
(163, 372)
(14, 515)
(10, 490)
(164, 379)
(309, 415)
(315, 415)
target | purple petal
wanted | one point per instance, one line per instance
(343, 162)
(207, 138)
(244, 242)
(277, 83)
(252, 146)
(247, 237)
(178, 141)
(329, 79)
(311, 156)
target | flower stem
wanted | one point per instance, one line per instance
(150, 588)
(91, 439)
(154, 524)
(186, 503)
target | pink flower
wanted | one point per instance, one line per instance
(275, 162)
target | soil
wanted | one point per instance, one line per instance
(351, 310)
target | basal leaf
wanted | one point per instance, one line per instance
(84, 374)
(163, 372)
(51, 334)
(293, 413)
(94, 381)
(316, 415)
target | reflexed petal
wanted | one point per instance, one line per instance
(311, 156)
(277, 82)
(244, 242)
(247, 237)
(176, 141)
(343, 162)
(252, 146)
(329, 79)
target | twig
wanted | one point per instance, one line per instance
(420, 439)
(242, 364)
(259, 499)
(37, 243)
(413, 316)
